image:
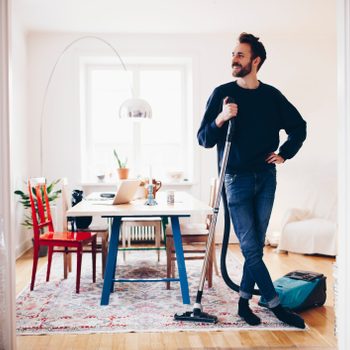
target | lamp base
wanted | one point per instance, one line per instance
(150, 198)
(151, 202)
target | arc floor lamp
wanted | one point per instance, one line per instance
(133, 107)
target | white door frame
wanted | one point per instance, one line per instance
(7, 256)
(342, 281)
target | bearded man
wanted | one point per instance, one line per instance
(259, 112)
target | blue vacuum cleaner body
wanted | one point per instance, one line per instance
(299, 290)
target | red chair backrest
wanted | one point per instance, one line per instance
(40, 206)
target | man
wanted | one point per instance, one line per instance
(259, 112)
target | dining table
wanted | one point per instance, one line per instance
(184, 206)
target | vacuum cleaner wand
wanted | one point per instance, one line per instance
(197, 315)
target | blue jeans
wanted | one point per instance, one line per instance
(250, 198)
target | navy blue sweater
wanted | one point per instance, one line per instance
(262, 113)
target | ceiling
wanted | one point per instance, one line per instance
(175, 16)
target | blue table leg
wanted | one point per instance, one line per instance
(111, 261)
(180, 259)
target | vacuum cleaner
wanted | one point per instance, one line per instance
(298, 290)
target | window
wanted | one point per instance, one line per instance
(163, 142)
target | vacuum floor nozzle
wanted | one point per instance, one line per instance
(196, 317)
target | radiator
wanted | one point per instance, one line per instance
(139, 233)
(142, 233)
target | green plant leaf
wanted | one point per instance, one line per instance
(25, 201)
(50, 187)
(19, 193)
(120, 163)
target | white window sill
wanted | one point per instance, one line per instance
(164, 183)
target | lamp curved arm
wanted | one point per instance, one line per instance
(50, 78)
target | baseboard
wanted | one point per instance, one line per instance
(23, 247)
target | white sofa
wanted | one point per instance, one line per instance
(313, 229)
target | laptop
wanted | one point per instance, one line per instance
(125, 193)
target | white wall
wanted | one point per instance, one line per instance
(302, 66)
(20, 119)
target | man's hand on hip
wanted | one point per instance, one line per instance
(274, 158)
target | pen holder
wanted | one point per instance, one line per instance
(150, 198)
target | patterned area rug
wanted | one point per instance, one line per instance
(54, 307)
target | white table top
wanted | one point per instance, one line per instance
(185, 204)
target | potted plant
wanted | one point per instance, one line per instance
(123, 171)
(52, 193)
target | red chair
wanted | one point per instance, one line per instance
(44, 234)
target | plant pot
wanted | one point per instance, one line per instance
(123, 173)
(42, 250)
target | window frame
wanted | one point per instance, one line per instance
(182, 65)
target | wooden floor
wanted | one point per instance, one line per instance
(320, 320)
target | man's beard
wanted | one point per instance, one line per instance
(243, 71)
